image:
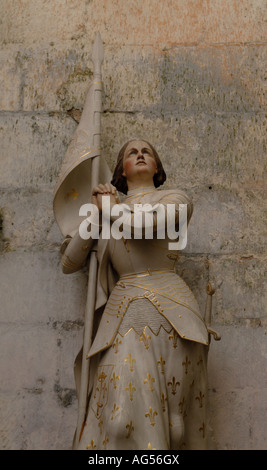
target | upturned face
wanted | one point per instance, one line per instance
(139, 162)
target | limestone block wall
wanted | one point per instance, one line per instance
(189, 76)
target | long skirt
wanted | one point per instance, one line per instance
(149, 392)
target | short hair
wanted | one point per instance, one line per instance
(120, 181)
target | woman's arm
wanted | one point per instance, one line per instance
(75, 254)
(155, 216)
(78, 247)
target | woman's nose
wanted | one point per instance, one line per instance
(140, 155)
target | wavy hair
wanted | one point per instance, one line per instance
(120, 181)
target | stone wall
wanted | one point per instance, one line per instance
(188, 75)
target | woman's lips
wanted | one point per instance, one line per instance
(141, 163)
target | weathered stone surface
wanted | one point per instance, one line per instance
(33, 417)
(27, 218)
(240, 288)
(227, 221)
(135, 23)
(32, 148)
(243, 408)
(182, 79)
(34, 290)
(188, 148)
(238, 386)
(41, 334)
(40, 21)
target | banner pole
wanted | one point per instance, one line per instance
(97, 58)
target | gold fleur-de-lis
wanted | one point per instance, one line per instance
(126, 244)
(181, 407)
(130, 389)
(105, 442)
(149, 447)
(186, 364)
(114, 380)
(151, 415)
(115, 345)
(100, 425)
(145, 338)
(163, 399)
(130, 361)
(102, 376)
(73, 194)
(200, 360)
(174, 338)
(114, 410)
(161, 363)
(85, 247)
(92, 445)
(203, 430)
(173, 384)
(129, 428)
(101, 391)
(200, 397)
(149, 381)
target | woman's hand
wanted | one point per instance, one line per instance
(104, 190)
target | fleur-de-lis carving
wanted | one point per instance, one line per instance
(101, 391)
(92, 445)
(200, 360)
(105, 442)
(130, 389)
(102, 376)
(115, 345)
(149, 381)
(161, 363)
(149, 447)
(130, 361)
(182, 406)
(174, 338)
(114, 410)
(186, 363)
(151, 415)
(200, 397)
(173, 384)
(100, 425)
(203, 430)
(126, 244)
(163, 399)
(145, 338)
(74, 194)
(114, 380)
(129, 428)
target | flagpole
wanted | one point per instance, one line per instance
(97, 59)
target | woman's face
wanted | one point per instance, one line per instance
(139, 162)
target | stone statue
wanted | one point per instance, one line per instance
(147, 384)
(151, 344)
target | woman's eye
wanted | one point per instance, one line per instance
(147, 152)
(133, 152)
